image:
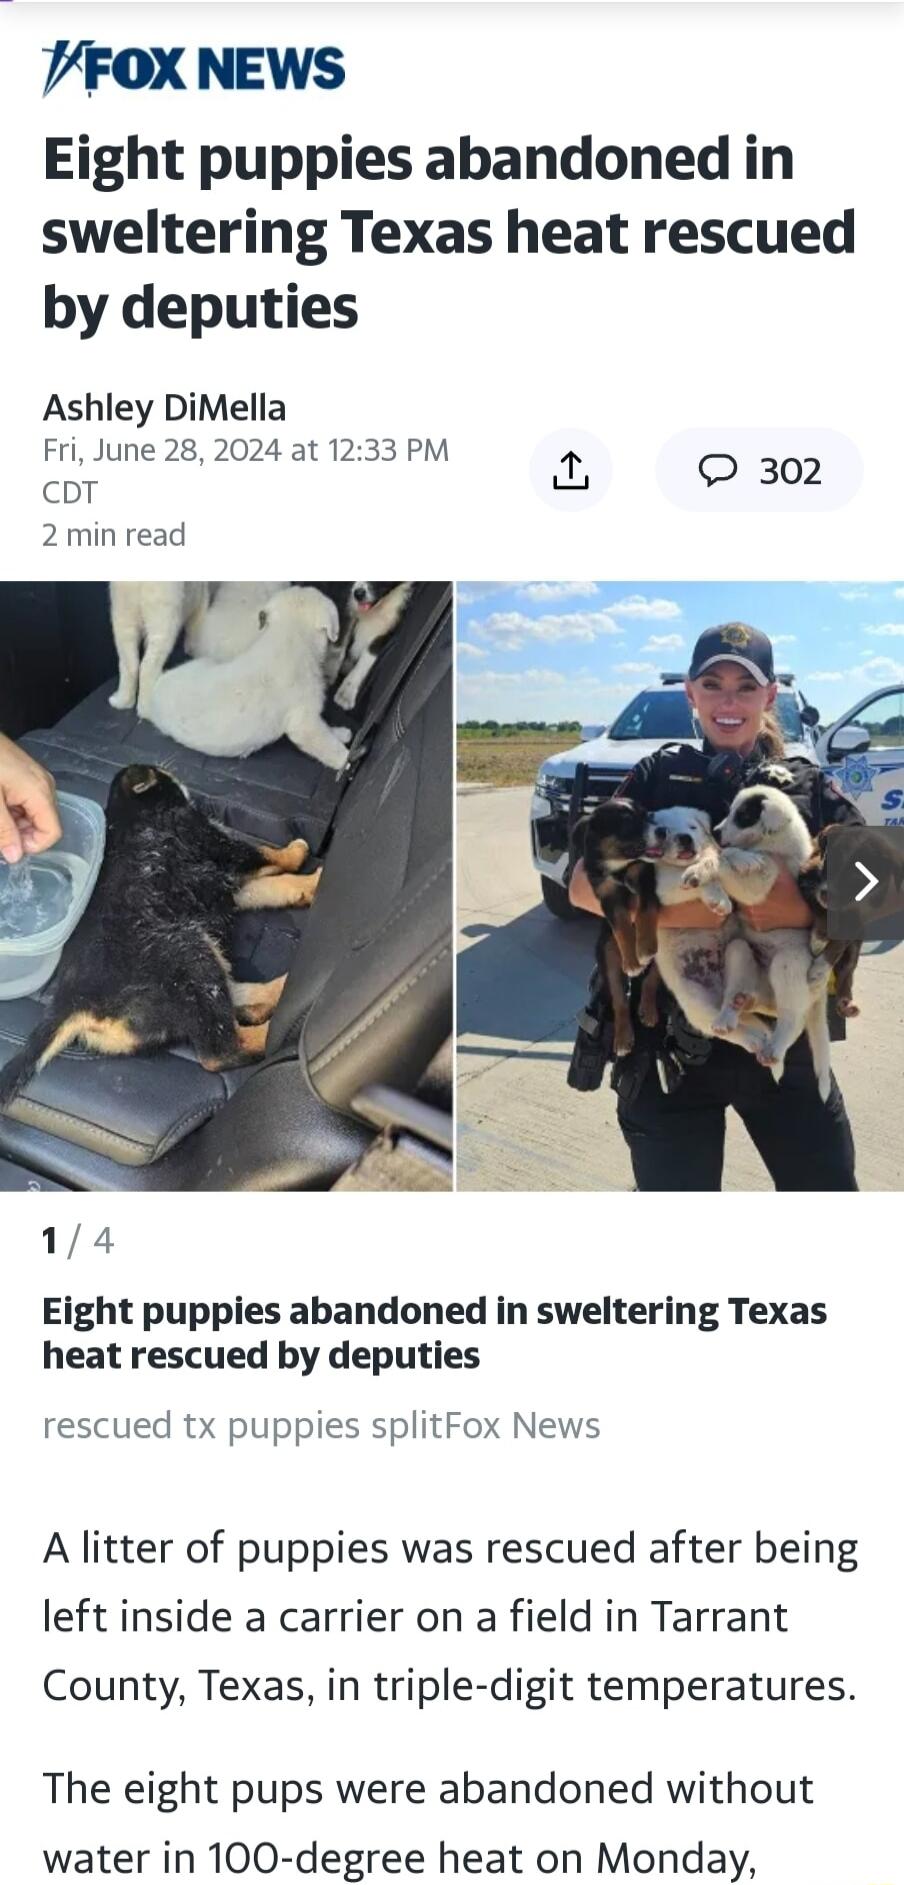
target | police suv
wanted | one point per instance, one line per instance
(863, 751)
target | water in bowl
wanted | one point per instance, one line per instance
(34, 896)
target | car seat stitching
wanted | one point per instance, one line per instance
(409, 846)
(323, 1060)
(425, 651)
(396, 915)
(182, 1127)
(154, 1147)
(99, 1132)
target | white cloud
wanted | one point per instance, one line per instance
(540, 694)
(659, 644)
(881, 671)
(470, 648)
(511, 629)
(645, 609)
(467, 594)
(898, 595)
(877, 672)
(886, 628)
(556, 592)
(532, 678)
(854, 595)
(634, 667)
(781, 641)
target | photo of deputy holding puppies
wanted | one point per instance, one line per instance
(726, 1036)
(225, 885)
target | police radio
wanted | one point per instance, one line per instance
(726, 770)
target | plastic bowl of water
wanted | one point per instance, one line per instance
(43, 898)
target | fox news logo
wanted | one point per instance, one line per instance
(227, 69)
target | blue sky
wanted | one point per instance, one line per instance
(578, 651)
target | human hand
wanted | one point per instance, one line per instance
(783, 908)
(29, 820)
(580, 894)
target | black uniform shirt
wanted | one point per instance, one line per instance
(708, 781)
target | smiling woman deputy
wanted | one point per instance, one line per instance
(677, 1138)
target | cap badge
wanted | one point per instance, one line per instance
(736, 636)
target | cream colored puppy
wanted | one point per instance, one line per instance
(276, 688)
(147, 619)
(768, 971)
(232, 622)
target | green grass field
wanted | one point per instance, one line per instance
(509, 761)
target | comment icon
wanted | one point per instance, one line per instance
(717, 468)
(767, 468)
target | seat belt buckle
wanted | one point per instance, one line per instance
(387, 1109)
(413, 1150)
(356, 753)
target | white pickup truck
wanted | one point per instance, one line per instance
(863, 750)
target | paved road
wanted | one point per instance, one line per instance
(521, 980)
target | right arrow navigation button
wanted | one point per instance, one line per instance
(865, 883)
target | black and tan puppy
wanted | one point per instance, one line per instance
(624, 883)
(622, 878)
(148, 966)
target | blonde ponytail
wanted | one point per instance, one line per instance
(771, 737)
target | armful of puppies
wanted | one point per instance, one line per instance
(783, 908)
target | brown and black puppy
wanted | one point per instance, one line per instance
(622, 878)
(624, 884)
(148, 966)
(843, 956)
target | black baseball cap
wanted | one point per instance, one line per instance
(734, 641)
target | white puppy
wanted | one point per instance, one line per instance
(232, 622)
(147, 619)
(770, 971)
(679, 840)
(692, 961)
(276, 687)
(369, 611)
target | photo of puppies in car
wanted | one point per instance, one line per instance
(686, 851)
(225, 886)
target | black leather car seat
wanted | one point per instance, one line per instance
(369, 991)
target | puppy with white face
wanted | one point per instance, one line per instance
(692, 961)
(763, 830)
(680, 842)
(728, 981)
(374, 610)
(763, 818)
(771, 970)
